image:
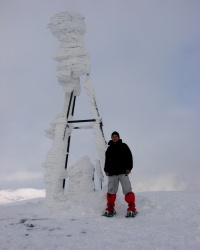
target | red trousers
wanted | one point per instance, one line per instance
(129, 198)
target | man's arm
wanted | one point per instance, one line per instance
(129, 159)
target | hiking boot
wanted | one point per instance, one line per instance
(131, 214)
(109, 213)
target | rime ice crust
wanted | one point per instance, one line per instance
(98, 133)
(81, 177)
(73, 59)
(73, 62)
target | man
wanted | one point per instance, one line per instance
(118, 165)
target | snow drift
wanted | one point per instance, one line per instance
(166, 220)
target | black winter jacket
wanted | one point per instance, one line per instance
(118, 158)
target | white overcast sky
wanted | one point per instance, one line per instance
(145, 68)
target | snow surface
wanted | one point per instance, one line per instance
(166, 220)
(10, 195)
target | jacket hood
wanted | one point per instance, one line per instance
(118, 142)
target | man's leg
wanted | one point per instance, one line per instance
(113, 184)
(110, 202)
(127, 190)
(125, 182)
(130, 199)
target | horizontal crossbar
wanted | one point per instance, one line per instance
(76, 121)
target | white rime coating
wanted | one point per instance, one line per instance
(81, 177)
(98, 133)
(73, 62)
(73, 59)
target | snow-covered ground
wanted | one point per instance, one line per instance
(166, 220)
(10, 195)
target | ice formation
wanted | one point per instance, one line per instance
(73, 62)
(81, 177)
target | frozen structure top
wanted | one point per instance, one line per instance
(73, 62)
(72, 56)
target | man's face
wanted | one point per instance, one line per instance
(115, 138)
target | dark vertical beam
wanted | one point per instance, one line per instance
(70, 101)
(74, 101)
(69, 138)
(68, 110)
(68, 145)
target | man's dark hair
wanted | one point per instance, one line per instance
(115, 133)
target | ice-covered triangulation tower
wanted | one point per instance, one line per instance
(73, 62)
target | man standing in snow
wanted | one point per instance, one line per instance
(118, 165)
